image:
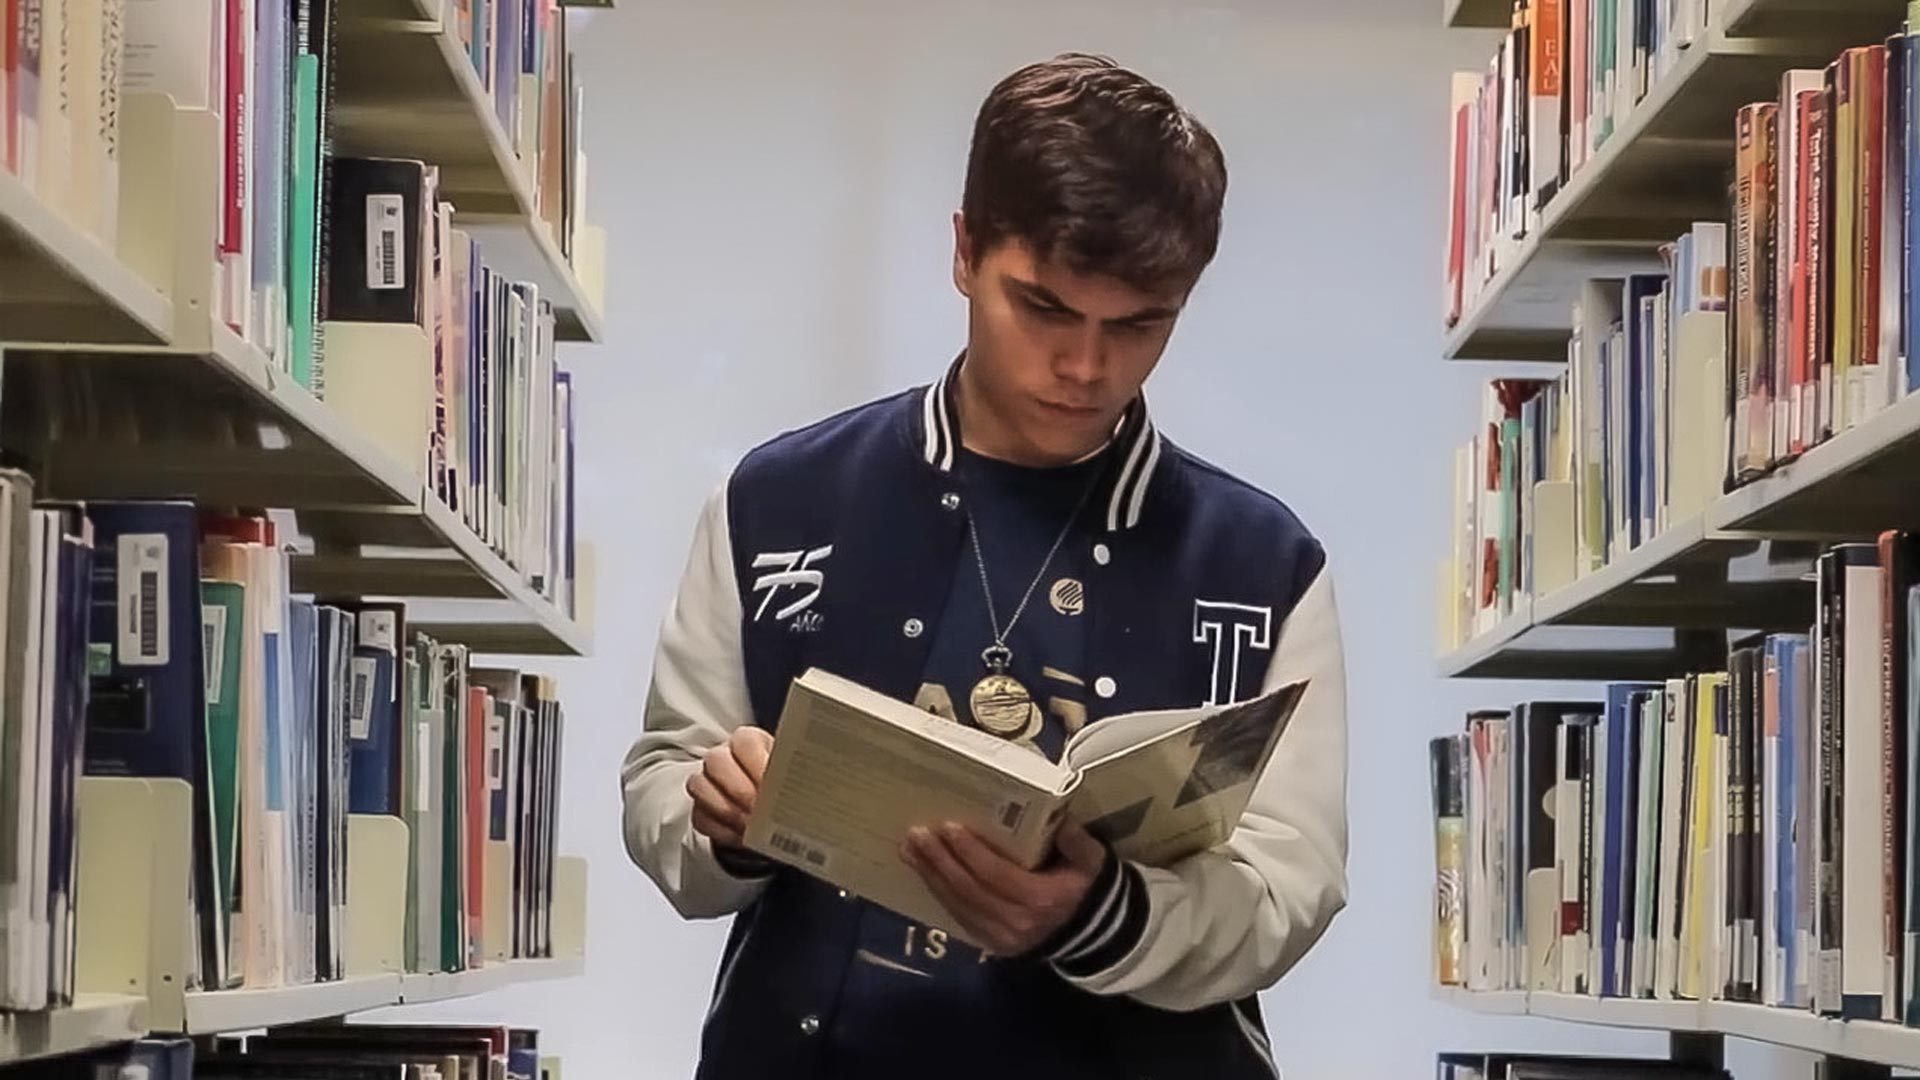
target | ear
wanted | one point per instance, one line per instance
(962, 255)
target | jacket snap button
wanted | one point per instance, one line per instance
(950, 500)
(809, 1025)
(1105, 686)
(914, 628)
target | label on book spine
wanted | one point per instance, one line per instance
(424, 764)
(386, 241)
(360, 718)
(378, 630)
(213, 636)
(1826, 988)
(142, 576)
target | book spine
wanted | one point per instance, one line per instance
(1816, 401)
(1892, 766)
(1863, 398)
(1749, 451)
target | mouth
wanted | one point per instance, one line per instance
(1070, 412)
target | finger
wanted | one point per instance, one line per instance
(978, 924)
(1007, 880)
(1080, 848)
(752, 749)
(709, 799)
(714, 829)
(729, 779)
(940, 859)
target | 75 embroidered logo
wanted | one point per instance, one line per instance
(795, 571)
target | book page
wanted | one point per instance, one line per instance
(1182, 789)
(844, 786)
(1016, 761)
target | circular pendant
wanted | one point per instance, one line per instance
(1001, 704)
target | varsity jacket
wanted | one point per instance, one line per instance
(834, 546)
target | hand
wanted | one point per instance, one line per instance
(727, 784)
(1003, 906)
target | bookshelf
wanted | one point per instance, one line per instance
(1659, 172)
(56, 281)
(124, 379)
(1728, 564)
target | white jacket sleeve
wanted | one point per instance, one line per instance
(698, 696)
(1229, 922)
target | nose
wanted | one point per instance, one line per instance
(1082, 357)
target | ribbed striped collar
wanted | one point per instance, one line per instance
(1136, 445)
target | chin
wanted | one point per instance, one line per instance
(1066, 441)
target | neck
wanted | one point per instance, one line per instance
(988, 433)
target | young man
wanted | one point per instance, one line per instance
(1014, 546)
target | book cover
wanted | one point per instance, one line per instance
(1134, 782)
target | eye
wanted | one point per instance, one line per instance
(1044, 310)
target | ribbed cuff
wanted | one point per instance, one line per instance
(743, 864)
(1110, 922)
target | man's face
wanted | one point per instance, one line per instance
(1054, 356)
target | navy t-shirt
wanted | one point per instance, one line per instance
(912, 970)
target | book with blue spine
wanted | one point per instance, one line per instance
(374, 755)
(146, 712)
(1621, 810)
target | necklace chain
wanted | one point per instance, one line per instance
(1000, 636)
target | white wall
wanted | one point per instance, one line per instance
(776, 180)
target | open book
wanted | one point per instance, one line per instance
(853, 770)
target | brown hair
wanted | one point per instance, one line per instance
(1094, 165)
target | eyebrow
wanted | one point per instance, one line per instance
(1045, 296)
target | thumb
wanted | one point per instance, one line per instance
(1080, 847)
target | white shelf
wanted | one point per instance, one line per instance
(1870, 20)
(1855, 1040)
(1626, 620)
(457, 588)
(219, 422)
(1656, 174)
(1655, 556)
(421, 989)
(91, 1022)
(1736, 566)
(59, 284)
(245, 1010)
(404, 87)
(1481, 648)
(1855, 483)
(1479, 13)
(218, 1011)
(226, 426)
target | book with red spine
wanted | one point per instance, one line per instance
(235, 269)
